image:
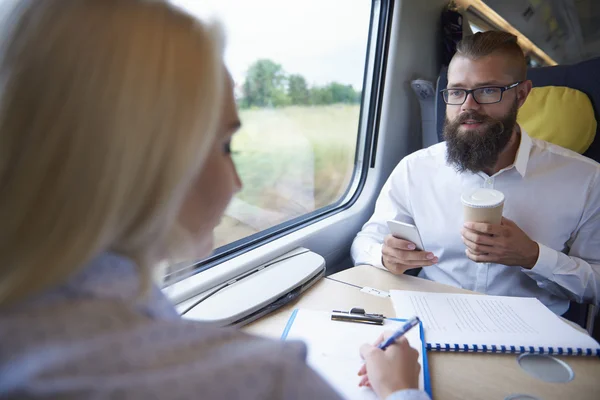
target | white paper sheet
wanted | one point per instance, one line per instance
(333, 348)
(469, 319)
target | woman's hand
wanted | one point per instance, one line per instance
(396, 368)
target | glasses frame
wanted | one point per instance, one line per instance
(470, 92)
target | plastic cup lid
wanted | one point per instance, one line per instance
(520, 396)
(483, 198)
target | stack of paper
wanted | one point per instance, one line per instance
(470, 322)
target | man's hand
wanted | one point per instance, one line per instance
(503, 244)
(400, 255)
(396, 368)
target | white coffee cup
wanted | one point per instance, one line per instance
(483, 205)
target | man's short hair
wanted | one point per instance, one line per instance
(482, 44)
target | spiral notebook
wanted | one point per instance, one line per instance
(333, 349)
(491, 324)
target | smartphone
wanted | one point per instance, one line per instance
(405, 231)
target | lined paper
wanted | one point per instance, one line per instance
(470, 319)
(333, 349)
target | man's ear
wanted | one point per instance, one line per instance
(523, 91)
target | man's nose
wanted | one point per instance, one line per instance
(470, 103)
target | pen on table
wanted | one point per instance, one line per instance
(400, 332)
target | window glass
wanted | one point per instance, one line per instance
(298, 69)
(475, 28)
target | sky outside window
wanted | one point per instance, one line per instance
(304, 37)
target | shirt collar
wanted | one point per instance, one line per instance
(522, 157)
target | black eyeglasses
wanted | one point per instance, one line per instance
(483, 95)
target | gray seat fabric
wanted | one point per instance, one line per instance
(425, 91)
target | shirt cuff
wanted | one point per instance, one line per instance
(408, 394)
(375, 256)
(544, 267)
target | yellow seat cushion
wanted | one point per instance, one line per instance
(559, 115)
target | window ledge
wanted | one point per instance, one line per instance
(253, 294)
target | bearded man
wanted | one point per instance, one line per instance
(548, 243)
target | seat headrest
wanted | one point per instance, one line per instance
(559, 115)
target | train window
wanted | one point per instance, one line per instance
(298, 70)
(475, 28)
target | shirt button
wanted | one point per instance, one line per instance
(489, 181)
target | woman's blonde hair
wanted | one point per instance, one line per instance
(107, 110)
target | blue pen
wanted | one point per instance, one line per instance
(400, 332)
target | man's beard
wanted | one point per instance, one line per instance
(478, 149)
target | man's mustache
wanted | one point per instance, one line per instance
(473, 116)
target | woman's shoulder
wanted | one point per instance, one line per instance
(91, 338)
(127, 353)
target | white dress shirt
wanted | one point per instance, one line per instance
(552, 194)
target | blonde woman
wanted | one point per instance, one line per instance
(116, 118)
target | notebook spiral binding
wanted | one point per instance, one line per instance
(465, 348)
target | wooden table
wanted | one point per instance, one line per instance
(453, 375)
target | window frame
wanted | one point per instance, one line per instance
(380, 25)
